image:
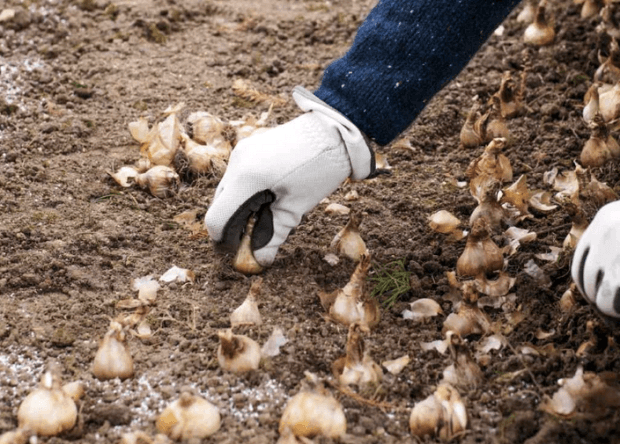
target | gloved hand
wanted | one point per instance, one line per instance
(596, 262)
(283, 173)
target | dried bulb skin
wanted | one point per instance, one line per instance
(244, 261)
(113, 360)
(237, 353)
(162, 142)
(348, 242)
(189, 417)
(443, 222)
(540, 32)
(47, 410)
(481, 254)
(313, 414)
(247, 313)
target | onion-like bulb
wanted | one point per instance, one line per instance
(509, 100)
(491, 163)
(609, 103)
(48, 410)
(600, 147)
(528, 12)
(237, 353)
(113, 360)
(247, 313)
(357, 367)
(473, 131)
(481, 254)
(442, 413)
(352, 304)
(540, 32)
(161, 181)
(189, 417)
(244, 260)
(348, 242)
(313, 412)
(489, 207)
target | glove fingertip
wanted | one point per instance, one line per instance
(266, 255)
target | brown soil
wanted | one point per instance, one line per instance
(73, 74)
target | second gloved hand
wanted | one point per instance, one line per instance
(596, 262)
(283, 173)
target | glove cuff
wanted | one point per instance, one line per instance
(361, 155)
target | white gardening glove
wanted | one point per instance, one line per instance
(283, 173)
(596, 262)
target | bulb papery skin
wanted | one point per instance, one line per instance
(162, 142)
(113, 360)
(237, 353)
(189, 417)
(244, 261)
(592, 106)
(47, 411)
(481, 254)
(609, 103)
(313, 414)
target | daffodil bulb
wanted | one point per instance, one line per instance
(313, 412)
(348, 242)
(204, 159)
(496, 126)
(540, 32)
(113, 360)
(244, 260)
(47, 410)
(509, 101)
(189, 417)
(161, 181)
(205, 127)
(247, 313)
(608, 71)
(352, 304)
(442, 414)
(488, 207)
(463, 372)
(591, 8)
(473, 131)
(481, 254)
(600, 147)
(468, 319)
(609, 103)
(357, 367)
(237, 353)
